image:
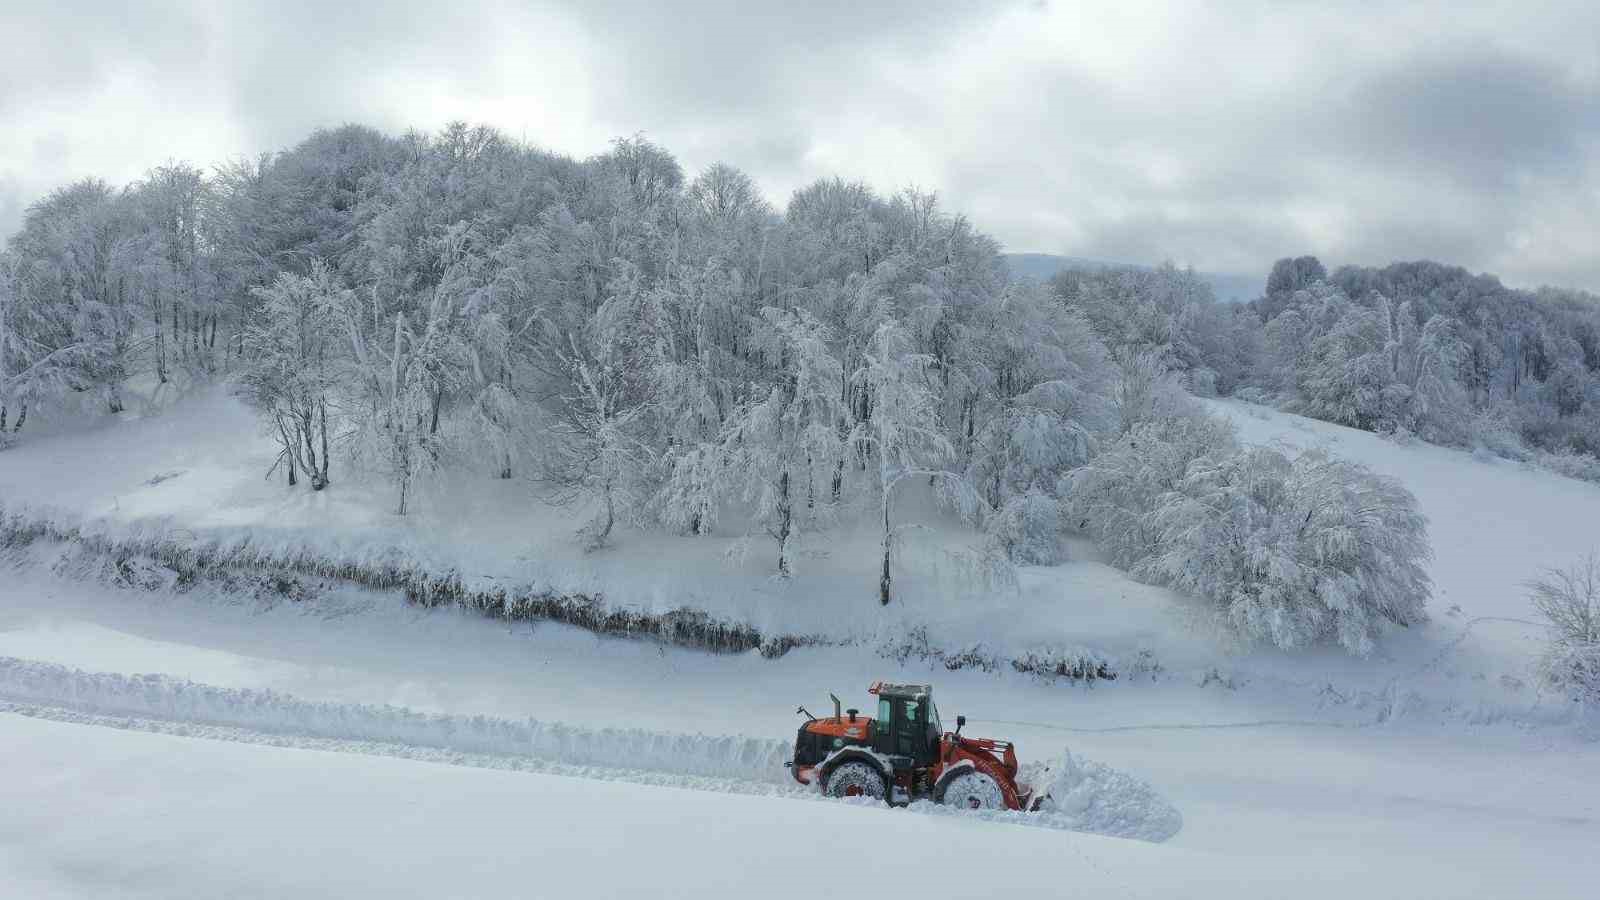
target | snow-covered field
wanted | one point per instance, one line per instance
(352, 745)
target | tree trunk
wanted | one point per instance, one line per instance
(22, 416)
(785, 521)
(611, 518)
(307, 429)
(161, 348)
(884, 579)
(322, 429)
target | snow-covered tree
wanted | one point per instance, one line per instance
(778, 450)
(293, 351)
(902, 436)
(603, 449)
(1295, 550)
(75, 317)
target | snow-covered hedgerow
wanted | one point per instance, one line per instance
(1046, 663)
(1288, 550)
(242, 563)
(220, 557)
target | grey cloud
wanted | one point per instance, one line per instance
(1484, 116)
(1224, 137)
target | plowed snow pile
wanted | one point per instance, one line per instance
(1097, 798)
(175, 699)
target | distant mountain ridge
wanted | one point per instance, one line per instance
(1227, 287)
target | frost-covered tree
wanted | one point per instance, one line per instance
(902, 436)
(292, 352)
(1295, 550)
(609, 391)
(777, 450)
(1291, 551)
(1113, 496)
(75, 318)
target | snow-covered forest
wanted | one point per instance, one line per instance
(1414, 349)
(667, 351)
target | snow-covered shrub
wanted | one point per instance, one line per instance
(1028, 527)
(1289, 550)
(1203, 383)
(1569, 600)
(1571, 464)
(1144, 388)
(1254, 395)
(1295, 550)
(1493, 431)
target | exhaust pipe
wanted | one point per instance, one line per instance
(838, 713)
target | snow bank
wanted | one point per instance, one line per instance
(157, 696)
(1087, 797)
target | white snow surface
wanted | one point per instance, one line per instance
(161, 743)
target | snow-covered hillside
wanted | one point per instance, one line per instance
(1437, 768)
(196, 472)
(1494, 524)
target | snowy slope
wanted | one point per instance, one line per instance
(140, 815)
(1494, 524)
(1436, 769)
(196, 470)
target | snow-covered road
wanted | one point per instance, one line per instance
(88, 812)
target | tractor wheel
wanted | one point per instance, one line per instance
(972, 790)
(854, 779)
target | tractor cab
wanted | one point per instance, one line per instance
(907, 725)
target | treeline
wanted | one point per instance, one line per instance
(675, 353)
(1411, 349)
(654, 346)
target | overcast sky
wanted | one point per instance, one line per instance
(1223, 137)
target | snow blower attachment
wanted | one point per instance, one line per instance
(904, 755)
